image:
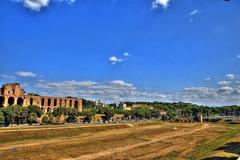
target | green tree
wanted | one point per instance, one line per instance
(32, 118)
(35, 109)
(1, 118)
(155, 113)
(10, 114)
(108, 113)
(171, 114)
(45, 119)
(72, 113)
(164, 117)
(57, 112)
(88, 114)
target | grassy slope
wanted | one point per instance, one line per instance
(207, 148)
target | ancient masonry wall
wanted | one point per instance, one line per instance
(12, 94)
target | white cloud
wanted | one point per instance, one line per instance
(37, 5)
(115, 59)
(194, 12)
(25, 74)
(126, 54)
(207, 79)
(121, 83)
(231, 76)
(158, 3)
(120, 90)
(224, 83)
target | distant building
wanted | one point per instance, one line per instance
(98, 103)
(125, 107)
(132, 105)
(13, 94)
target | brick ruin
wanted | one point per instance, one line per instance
(13, 94)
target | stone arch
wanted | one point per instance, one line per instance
(49, 102)
(31, 101)
(20, 101)
(76, 104)
(1, 101)
(55, 102)
(60, 103)
(11, 101)
(42, 102)
(48, 110)
(70, 103)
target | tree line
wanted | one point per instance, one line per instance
(60, 115)
(187, 112)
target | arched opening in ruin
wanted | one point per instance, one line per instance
(76, 104)
(1, 101)
(70, 103)
(20, 101)
(31, 101)
(55, 102)
(11, 101)
(60, 103)
(42, 102)
(48, 110)
(42, 110)
(49, 102)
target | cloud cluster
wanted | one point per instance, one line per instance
(119, 90)
(111, 91)
(37, 5)
(231, 76)
(115, 59)
(160, 3)
(116, 90)
(227, 92)
(224, 83)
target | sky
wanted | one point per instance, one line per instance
(123, 50)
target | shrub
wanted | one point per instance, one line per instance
(1, 119)
(32, 118)
(45, 119)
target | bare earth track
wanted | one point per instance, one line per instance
(145, 140)
(128, 147)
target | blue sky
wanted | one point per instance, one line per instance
(123, 50)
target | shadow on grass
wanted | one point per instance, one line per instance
(233, 147)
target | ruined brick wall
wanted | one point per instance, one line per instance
(12, 94)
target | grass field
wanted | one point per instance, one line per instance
(145, 140)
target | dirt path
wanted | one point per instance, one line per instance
(19, 129)
(159, 153)
(129, 147)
